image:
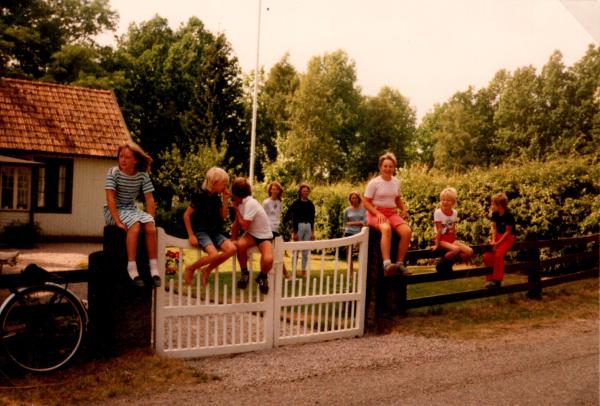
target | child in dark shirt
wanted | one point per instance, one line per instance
(502, 238)
(203, 221)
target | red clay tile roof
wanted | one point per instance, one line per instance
(45, 117)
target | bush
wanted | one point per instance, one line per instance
(549, 200)
(21, 235)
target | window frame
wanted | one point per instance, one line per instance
(53, 171)
(16, 190)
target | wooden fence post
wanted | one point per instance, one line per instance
(385, 295)
(120, 313)
(534, 276)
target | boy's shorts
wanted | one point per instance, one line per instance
(205, 239)
(259, 241)
(390, 213)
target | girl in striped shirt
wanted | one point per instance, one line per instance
(123, 184)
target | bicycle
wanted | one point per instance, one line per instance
(43, 325)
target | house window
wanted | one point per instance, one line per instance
(54, 186)
(15, 182)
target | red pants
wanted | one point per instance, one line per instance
(495, 258)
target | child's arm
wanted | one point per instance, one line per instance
(438, 234)
(111, 203)
(367, 202)
(225, 206)
(403, 209)
(150, 204)
(187, 220)
(502, 238)
(493, 234)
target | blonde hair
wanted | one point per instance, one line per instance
(276, 184)
(500, 199)
(214, 175)
(390, 156)
(450, 192)
(143, 159)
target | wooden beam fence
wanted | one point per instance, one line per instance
(579, 261)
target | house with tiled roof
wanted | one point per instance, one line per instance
(56, 145)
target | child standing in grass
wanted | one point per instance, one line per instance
(502, 238)
(203, 221)
(273, 206)
(445, 218)
(252, 218)
(123, 184)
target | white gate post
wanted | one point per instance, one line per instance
(278, 253)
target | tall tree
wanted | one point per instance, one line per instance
(387, 123)
(323, 118)
(586, 101)
(183, 91)
(518, 115)
(32, 31)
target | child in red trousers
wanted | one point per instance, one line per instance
(501, 240)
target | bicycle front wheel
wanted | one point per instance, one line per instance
(42, 327)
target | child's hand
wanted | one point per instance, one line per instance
(121, 225)
(435, 247)
(193, 241)
(381, 219)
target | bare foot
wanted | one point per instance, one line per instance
(205, 275)
(188, 275)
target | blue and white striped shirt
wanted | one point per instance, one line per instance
(127, 187)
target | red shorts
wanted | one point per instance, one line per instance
(390, 213)
(450, 238)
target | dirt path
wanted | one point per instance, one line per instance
(552, 366)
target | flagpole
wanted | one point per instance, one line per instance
(255, 100)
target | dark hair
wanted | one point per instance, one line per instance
(241, 188)
(302, 185)
(354, 193)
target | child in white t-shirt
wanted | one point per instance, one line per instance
(445, 218)
(252, 218)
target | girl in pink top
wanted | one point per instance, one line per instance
(382, 199)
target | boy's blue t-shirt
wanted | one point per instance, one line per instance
(207, 212)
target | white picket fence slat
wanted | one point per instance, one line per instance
(321, 306)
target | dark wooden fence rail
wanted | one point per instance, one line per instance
(578, 261)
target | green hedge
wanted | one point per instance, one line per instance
(549, 200)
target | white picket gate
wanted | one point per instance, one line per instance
(326, 303)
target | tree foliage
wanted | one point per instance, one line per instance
(387, 123)
(32, 31)
(323, 118)
(184, 89)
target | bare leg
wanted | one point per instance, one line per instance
(131, 241)
(404, 232)
(228, 249)
(386, 240)
(150, 232)
(211, 252)
(452, 250)
(266, 256)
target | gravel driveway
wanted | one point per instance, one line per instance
(556, 365)
(550, 366)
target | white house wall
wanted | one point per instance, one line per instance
(85, 219)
